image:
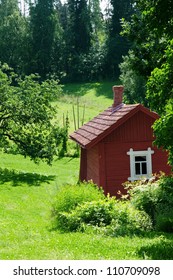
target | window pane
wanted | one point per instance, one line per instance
(137, 168)
(140, 158)
(144, 168)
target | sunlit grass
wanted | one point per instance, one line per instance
(25, 218)
(61, 171)
(92, 98)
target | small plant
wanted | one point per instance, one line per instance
(70, 196)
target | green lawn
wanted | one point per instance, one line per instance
(27, 192)
(93, 98)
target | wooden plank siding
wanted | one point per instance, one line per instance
(83, 165)
(117, 166)
(135, 133)
(136, 129)
(93, 165)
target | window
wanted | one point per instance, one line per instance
(140, 164)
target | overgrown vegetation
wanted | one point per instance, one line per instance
(156, 199)
(84, 207)
(79, 207)
(70, 196)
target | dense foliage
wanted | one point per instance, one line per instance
(116, 44)
(156, 199)
(44, 32)
(84, 207)
(73, 40)
(151, 58)
(69, 196)
(26, 115)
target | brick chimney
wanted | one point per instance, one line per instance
(118, 95)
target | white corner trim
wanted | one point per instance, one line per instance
(132, 155)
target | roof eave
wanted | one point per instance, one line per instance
(77, 142)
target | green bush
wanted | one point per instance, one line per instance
(96, 213)
(145, 197)
(68, 221)
(165, 194)
(164, 221)
(108, 216)
(70, 196)
(128, 220)
(156, 199)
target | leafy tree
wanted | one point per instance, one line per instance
(163, 130)
(134, 83)
(13, 34)
(79, 26)
(145, 54)
(158, 15)
(78, 34)
(27, 115)
(96, 19)
(116, 44)
(45, 38)
(153, 52)
(147, 46)
(159, 86)
(160, 96)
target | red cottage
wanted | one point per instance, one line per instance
(116, 146)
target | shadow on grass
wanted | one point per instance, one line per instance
(101, 88)
(17, 178)
(160, 249)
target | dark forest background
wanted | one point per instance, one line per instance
(73, 41)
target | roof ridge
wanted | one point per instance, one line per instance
(115, 109)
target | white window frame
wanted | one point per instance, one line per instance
(147, 153)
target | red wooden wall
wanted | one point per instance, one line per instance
(93, 165)
(108, 164)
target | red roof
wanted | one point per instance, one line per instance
(103, 124)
